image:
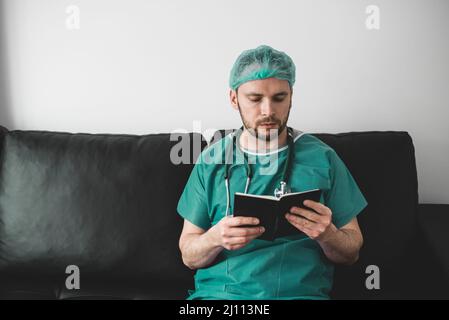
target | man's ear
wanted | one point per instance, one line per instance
(233, 98)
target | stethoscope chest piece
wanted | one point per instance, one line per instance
(283, 189)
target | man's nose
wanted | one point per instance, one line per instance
(266, 108)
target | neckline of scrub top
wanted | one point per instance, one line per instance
(298, 134)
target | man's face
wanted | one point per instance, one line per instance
(264, 106)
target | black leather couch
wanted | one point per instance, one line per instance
(107, 204)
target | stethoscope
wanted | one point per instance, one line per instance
(283, 185)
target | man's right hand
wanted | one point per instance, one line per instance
(233, 233)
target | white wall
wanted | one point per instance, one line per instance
(146, 66)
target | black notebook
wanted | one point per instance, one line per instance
(271, 210)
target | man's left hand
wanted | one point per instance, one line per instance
(315, 223)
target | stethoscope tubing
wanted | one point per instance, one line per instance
(248, 167)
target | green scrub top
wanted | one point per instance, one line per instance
(292, 267)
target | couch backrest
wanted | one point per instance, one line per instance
(107, 203)
(103, 202)
(383, 164)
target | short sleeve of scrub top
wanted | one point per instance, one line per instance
(192, 205)
(344, 198)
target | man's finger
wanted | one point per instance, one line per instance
(308, 214)
(318, 207)
(304, 223)
(238, 221)
(241, 232)
(245, 239)
(297, 225)
(308, 231)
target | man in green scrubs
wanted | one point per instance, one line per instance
(229, 259)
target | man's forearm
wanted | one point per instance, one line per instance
(341, 246)
(199, 251)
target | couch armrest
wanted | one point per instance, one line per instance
(433, 220)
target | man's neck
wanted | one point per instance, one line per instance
(251, 143)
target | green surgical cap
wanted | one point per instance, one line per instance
(261, 63)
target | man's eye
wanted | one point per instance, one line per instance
(255, 100)
(278, 99)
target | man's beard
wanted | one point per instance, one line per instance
(273, 133)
